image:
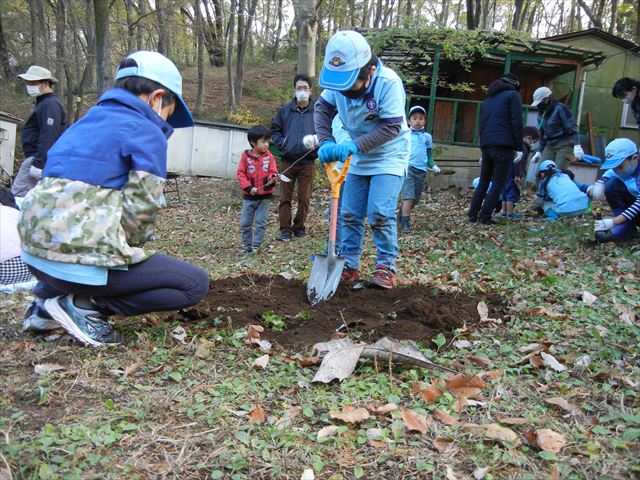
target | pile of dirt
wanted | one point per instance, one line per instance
(416, 312)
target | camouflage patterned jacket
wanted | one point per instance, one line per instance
(102, 186)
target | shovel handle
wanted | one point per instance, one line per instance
(336, 177)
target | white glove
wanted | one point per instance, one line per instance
(536, 157)
(35, 172)
(310, 141)
(578, 152)
(480, 161)
(605, 224)
(596, 191)
(435, 169)
(517, 157)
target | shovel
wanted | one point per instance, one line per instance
(326, 270)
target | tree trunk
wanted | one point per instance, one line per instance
(142, 12)
(162, 11)
(214, 41)
(200, 56)
(128, 6)
(278, 32)
(307, 25)
(230, 43)
(378, 18)
(365, 14)
(517, 14)
(243, 40)
(61, 22)
(33, 15)
(471, 25)
(44, 31)
(103, 67)
(614, 16)
(593, 18)
(7, 71)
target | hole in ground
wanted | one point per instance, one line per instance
(416, 312)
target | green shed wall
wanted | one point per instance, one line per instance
(606, 111)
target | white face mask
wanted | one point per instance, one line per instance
(302, 95)
(33, 90)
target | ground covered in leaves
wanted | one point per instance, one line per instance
(540, 324)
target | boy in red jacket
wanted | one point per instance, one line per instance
(257, 174)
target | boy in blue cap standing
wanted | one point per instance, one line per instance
(84, 224)
(622, 191)
(369, 98)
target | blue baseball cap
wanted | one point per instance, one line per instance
(155, 66)
(346, 53)
(617, 152)
(546, 164)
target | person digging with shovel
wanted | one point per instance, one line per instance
(369, 98)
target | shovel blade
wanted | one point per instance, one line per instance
(324, 278)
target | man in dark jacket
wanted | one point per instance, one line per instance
(559, 134)
(500, 142)
(45, 124)
(292, 122)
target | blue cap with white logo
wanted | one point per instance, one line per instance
(617, 152)
(346, 53)
(155, 66)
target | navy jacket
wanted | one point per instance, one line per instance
(289, 127)
(557, 125)
(45, 124)
(501, 119)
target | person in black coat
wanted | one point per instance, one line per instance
(45, 124)
(500, 142)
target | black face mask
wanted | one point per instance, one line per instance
(543, 104)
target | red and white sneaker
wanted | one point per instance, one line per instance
(350, 274)
(383, 277)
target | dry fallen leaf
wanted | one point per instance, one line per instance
(450, 474)
(308, 474)
(444, 417)
(46, 368)
(204, 348)
(430, 394)
(492, 431)
(350, 414)
(415, 421)
(480, 473)
(179, 334)
(261, 362)
(257, 414)
(514, 421)
(327, 431)
(491, 374)
(480, 361)
(382, 410)
(561, 403)
(465, 385)
(588, 298)
(287, 418)
(549, 441)
(131, 369)
(551, 362)
(255, 331)
(441, 444)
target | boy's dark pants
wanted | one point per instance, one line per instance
(303, 176)
(619, 199)
(496, 163)
(160, 283)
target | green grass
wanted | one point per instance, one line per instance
(178, 415)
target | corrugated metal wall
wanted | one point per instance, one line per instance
(211, 149)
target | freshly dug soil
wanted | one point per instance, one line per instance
(416, 312)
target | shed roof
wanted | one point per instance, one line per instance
(543, 56)
(598, 33)
(8, 117)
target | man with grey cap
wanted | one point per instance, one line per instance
(45, 124)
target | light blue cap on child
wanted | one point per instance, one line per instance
(617, 151)
(546, 164)
(346, 53)
(155, 66)
(417, 108)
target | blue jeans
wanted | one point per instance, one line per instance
(619, 199)
(257, 210)
(373, 197)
